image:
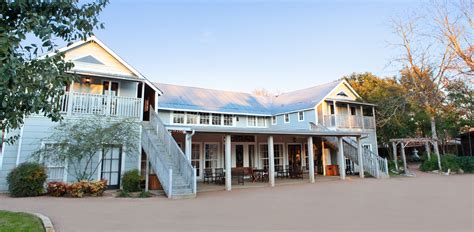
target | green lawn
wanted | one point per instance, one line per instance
(13, 221)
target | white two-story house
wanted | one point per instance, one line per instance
(187, 132)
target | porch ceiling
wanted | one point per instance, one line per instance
(269, 131)
(350, 102)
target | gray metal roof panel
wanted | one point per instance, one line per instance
(201, 99)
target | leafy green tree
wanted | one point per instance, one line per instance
(30, 84)
(77, 142)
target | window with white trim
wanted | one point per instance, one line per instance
(191, 118)
(178, 117)
(196, 157)
(274, 120)
(301, 116)
(204, 118)
(216, 119)
(277, 153)
(287, 118)
(251, 121)
(210, 155)
(367, 146)
(56, 170)
(228, 120)
(261, 121)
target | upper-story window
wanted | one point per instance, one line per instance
(301, 116)
(216, 119)
(191, 118)
(228, 120)
(204, 118)
(353, 110)
(178, 117)
(287, 118)
(254, 121)
(274, 120)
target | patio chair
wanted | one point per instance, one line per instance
(279, 171)
(219, 177)
(208, 177)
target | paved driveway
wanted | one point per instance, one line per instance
(428, 202)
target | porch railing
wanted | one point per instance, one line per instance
(98, 104)
(174, 151)
(349, 121)
(373, 164)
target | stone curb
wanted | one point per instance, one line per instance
(47, 224)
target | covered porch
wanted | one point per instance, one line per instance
(264, 157)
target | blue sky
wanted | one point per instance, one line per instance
(244, 45)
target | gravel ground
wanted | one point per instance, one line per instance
(427, 202)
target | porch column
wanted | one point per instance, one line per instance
(271, 161)
(188, 141)
(335, 114)
(404, 158)
(395, 159)
(228, 176)
(70, 99)
(311, 159)
(349, 116)
(428, 150)
(361, 159)
(340, 159)
(109, 99)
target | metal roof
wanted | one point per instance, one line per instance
(177, 97)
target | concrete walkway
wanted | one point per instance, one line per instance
(428, 202)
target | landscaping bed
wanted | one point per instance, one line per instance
(17, 221)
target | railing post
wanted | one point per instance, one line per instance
(386, 166)
(170, 187)
(377, 167)
(70, 99)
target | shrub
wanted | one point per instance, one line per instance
(57, 189)
(27, 180)
(466, 163)
(78, 189)
(123, 193)
(97, 188)
(145, 194)
(448, 161)
(131, 181)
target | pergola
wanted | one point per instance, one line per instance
(413, 141)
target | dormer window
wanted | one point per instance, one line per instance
(274, 120)
(287, 118)
(301, 116)
(342, 94)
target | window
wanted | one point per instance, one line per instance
(191, 118)
(56, 170)
(277, 153)
(261, 122)
(274, 120)
(367, 146)
(353, 110)
(251, 156)
(204, 119)
(228, 120)
(178, 117)
(301, 116)
(196, 158)
(210, 155)
(216, 119)
(287, 118)
(251, 121)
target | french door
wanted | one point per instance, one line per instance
(111, 163)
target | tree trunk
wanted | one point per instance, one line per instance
(434, 136)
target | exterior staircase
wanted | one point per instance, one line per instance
(173, 169)
(373, 164)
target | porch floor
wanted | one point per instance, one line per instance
(205, 187)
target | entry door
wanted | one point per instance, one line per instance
(111, 163)
(239, 155)
(294, 155)
(196, 158)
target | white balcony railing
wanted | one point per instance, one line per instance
(97, 104)
(349, 121)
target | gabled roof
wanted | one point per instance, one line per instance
(176, 97)
(112, 53)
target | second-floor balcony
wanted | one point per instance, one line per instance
(349, 121)
(83, 104)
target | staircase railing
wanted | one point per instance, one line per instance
(165, 175)
(372, 163)
(174, 151)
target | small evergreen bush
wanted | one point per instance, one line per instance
(123, 194)
(27, 180)
(466, 163)
(131, 181)
(145, 194)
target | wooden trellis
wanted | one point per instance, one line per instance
(414, 141)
